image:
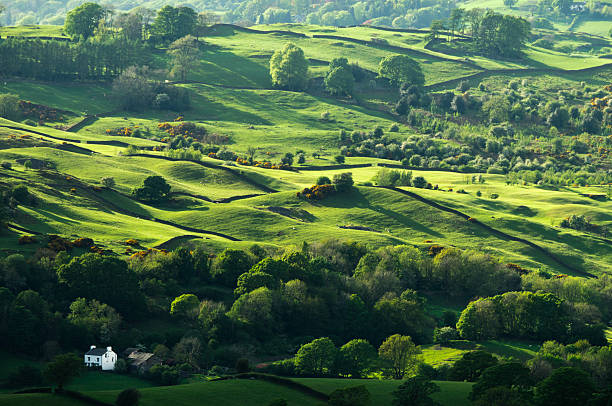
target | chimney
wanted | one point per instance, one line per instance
(92, 347)
(109, 349)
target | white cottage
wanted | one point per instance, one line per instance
(101, 357)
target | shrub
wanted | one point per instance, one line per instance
(444, 335)
(323, 180)
(343, 182)
(27, 239)
(22, 194)
(339, 159)
(83, 242)
(419, 182)
(6, 165)
(494, 196)
(317, 192)
(394, 128)
(108, 181)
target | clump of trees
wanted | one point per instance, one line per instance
(139, 88)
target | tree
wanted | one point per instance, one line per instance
(229, 265)
(471, 365)
(9, 106)
(316, 357)
(63, 369)
(353, 396)
(343, 182)
(186, 306)
(205, 20)
(154, 189)
(173, 23)
(289, 68)
(188, 350)
(510, 3)
(400, 353)
(131, 25)
(108, 181)
(250, 281)
(399, 69)
(512, 375)
(255, 311)
(99, 319)
(128, 397)
(339, 79)
(107, 279)
(133, 90)
(83, 20)
(434, 30)
(566, 386)
(184, 52)
(323, 180)
(415, 391)
(356, 358)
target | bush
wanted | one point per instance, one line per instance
(494, 196)
(444, 335)
(419, 182)
(323, 180)
(6, 165)
(343, 182)
(394, 128)
(108, 181)
(340, 159)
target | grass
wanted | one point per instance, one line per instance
(397, 218)
(451, 393)
(33, 31)
(236, 392)
(95, 380)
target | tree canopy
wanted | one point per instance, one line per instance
(400, 69)
(289, 68)
(83, 20)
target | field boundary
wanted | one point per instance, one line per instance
(278, 380)
(492, 230)
(237, 173)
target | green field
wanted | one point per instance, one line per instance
(242, 392)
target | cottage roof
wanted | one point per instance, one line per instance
(96, 352)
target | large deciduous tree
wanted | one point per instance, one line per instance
(153, 189)
(400, 353)
(83, 20)
(173, 23)
(399, 69)
(63, 369)
(339, 79)
(184, 53)
(316, 357)
(289, 68)
(356, 358)
(415, 391)
(566, 386)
